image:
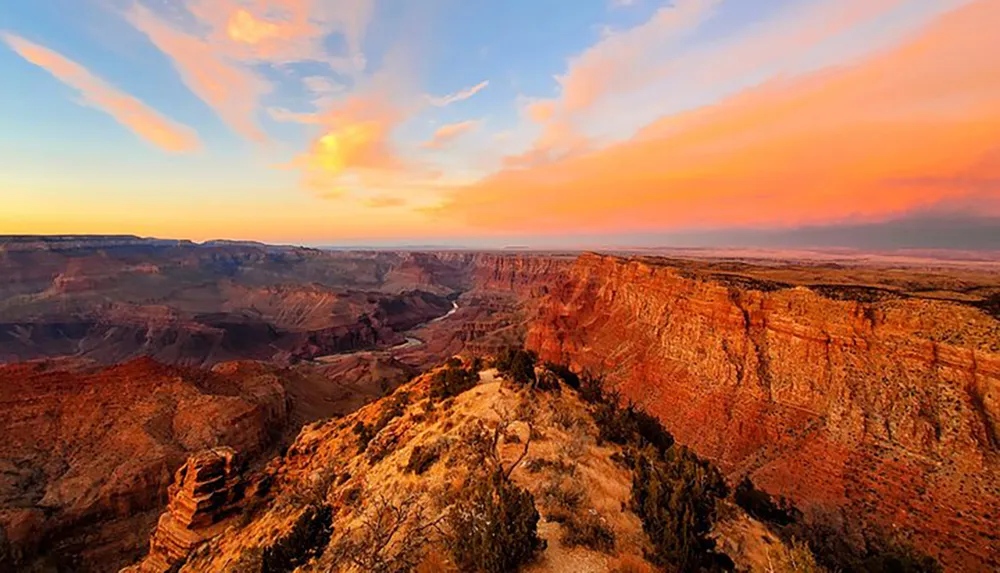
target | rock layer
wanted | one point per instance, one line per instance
(99, 446)
(881, 409)
(206, 490)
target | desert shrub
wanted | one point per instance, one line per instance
(537, 465)
(628, 425)
(563, 499)
(307, 538)
(423, 457)
(588, 530)
(796, 558)
(391, 538)
(876, 551)
(762, 506)
(394, 407)
(494, 527)
(675, 494)
(364, 434)
(565, 374)
(517, 365)
(451, 382)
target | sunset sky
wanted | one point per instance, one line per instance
(501, 122)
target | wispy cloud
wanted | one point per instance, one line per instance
(840, 144)
(459, 95)
(218, 56)
(384, 202)
(450, 132)
(95, 92)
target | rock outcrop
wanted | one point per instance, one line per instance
(206, 490)
(87, 454)
(869, 405)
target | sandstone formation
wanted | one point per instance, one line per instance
(859, 403)
(206, 490)
(86, 456)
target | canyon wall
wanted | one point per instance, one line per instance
(87, 454)
(856, 404)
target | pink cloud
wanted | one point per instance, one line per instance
(448, 133)
(95, 92)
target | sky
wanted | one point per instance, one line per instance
(504, 122)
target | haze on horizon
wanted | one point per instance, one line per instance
(855, 123)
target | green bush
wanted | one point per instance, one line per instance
(494, 527)
(675, 494)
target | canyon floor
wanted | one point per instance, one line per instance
(865, 389)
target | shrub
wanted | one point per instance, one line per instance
(307, 539)
(517, 364)
(629, 425)
(391, 538)
(393, 408)
(451, 382)
(760, 505)
(675, 494)
(494, 527)
(796, 558)
(877, 551)
(565, 374)
(423, 457)
(588, 530)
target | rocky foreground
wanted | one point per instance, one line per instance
(342, 499)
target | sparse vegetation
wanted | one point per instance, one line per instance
(762, 506)
(517, 365)
(395, 406)
(494, 525)
(307, 539)
(588, 530)
(392, 538)
(796, 558)
(675, 494)
(423, 457)
(453, 380)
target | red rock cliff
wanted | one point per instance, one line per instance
(886, 411)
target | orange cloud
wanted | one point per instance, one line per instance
(127, 110)
(385, 201)
(448, 133)
(355, 145)
(903, 130)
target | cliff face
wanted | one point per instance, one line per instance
(87, 455)
(206, 490)
(885, 409)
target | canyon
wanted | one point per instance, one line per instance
(867, 393)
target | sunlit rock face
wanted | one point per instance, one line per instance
(857, 403)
